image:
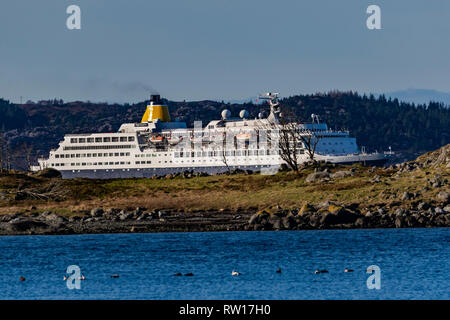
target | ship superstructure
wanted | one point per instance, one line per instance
(159, 146)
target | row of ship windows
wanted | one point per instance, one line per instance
(154, 169)
(101, 139)
(114, 163)
(234, 153)
(149, 155)
(90, 164)
(73, 164)
(84, 155)
(177, 154)
(126, 146)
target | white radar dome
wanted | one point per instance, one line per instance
(226, 114)
(243, 114)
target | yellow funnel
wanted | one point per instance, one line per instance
(154, 112)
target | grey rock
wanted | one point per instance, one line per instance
(139, 211)
(3, 196)
(111, 211)
(360, 222)
(342, 216)
(369, 214)
(400, 212)
(318, 177)
(423, 206)
(97, 212)
(399, 222)
(25, 224)
(55, 219)
(45, 213)
(125, 216)
(162, 214)
(444, 197)
(288, 222)
(406, 196)
(341, 174)
(254, 219)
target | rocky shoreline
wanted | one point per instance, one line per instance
(325, 215)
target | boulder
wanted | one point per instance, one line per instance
(410, 221)
(315, 220)
(97, 212)
(334, 208)
(111, 211)
(264, 212)
(25, 224)
(288, 222)
(399, 212)
(338, 215)
(123, 215)
(361, 222)
(306, 208)
(317, 177)
(44, 214)
(341, 174)
(162, 214)
(3, 196)
(399, 222)
(443, 197)
(55, 219)
(406, 196)
(260, 218)
(275, 221)
(49, 173)
(423, 206)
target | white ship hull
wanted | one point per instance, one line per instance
(375, 159)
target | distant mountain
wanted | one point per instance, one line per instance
(420, 96)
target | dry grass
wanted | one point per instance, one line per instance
(220, 192)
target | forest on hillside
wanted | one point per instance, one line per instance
(376, 122)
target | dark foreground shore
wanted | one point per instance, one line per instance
(414, 194)
(323, 216)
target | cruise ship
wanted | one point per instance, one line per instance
(159, 146)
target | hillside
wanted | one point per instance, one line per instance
(377, 123)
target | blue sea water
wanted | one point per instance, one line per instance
(414, 263)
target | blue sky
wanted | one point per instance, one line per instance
(211, 49)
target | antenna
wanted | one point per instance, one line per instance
(272, 97)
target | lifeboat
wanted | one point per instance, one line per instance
(156, 139)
